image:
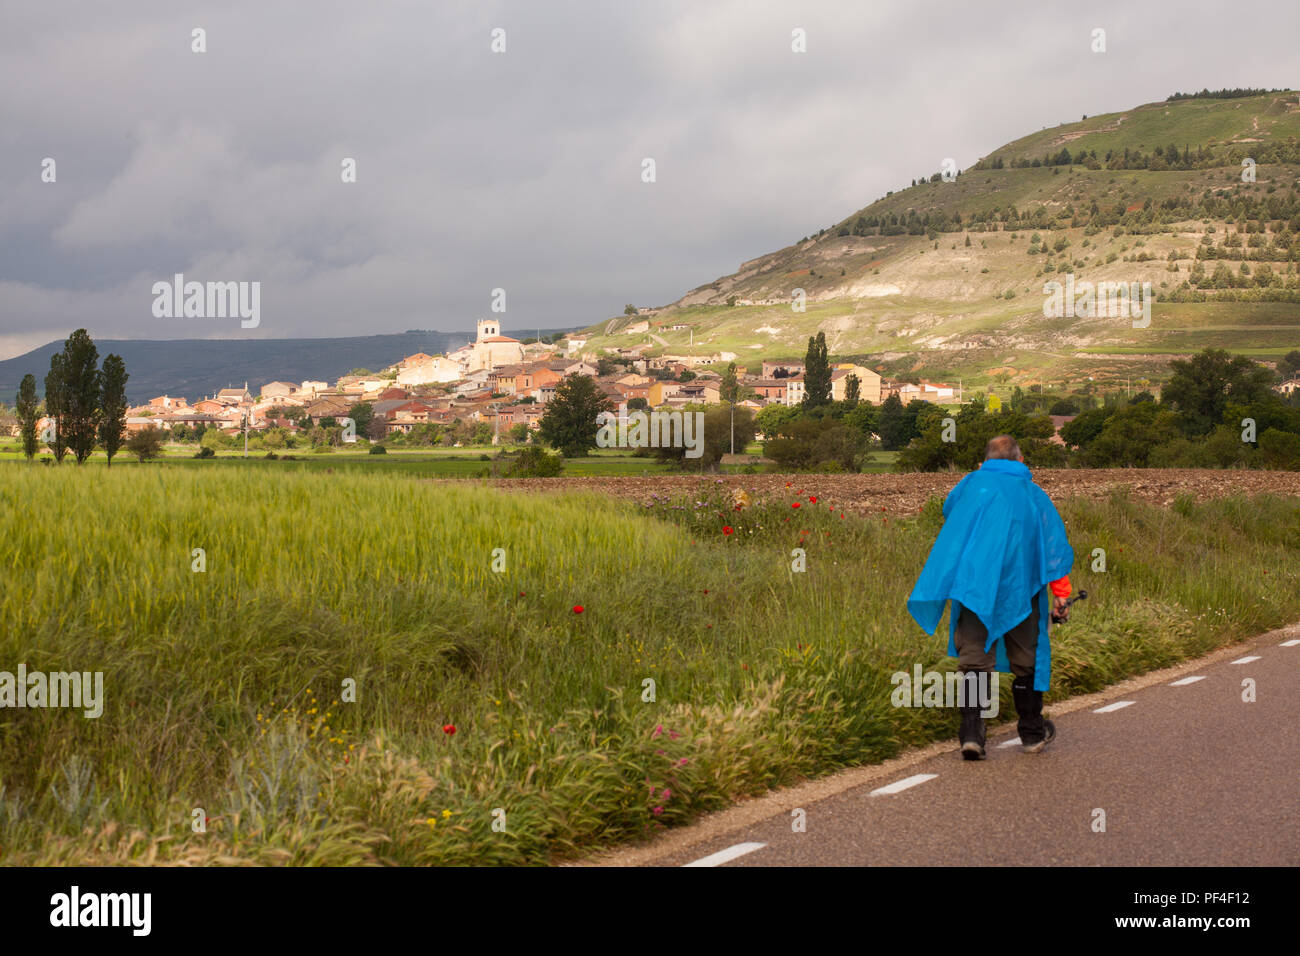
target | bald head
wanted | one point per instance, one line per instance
(1005, 447)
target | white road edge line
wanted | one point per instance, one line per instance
(1187, 680)
(727, 855)
(1118, 705)
(1291, 643)
(1246, 660)
(900, 785)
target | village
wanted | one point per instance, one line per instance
(503, 383)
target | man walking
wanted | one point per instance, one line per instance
(1002, 545)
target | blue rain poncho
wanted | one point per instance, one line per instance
(1002, 542)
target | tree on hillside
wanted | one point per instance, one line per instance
(816, 373)
(112, 403)
(54, 389)
(79, 400)
(27, 408)
(570, 420)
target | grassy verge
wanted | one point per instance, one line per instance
(224, 688)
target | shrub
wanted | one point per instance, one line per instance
(535, 462)
(145, 444)
(1279, 449)
(205, 452)
(378, 450)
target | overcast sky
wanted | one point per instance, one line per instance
(518, 170)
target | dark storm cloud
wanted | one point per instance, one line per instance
(519, 170)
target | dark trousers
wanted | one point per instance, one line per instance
(1022, 648)
(1021, 640)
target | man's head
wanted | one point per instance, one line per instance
(1003, 446)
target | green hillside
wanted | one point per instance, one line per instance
(946, 279)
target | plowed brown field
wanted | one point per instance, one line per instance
(906, 493)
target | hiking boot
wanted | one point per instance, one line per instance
(971, 734)
(1029, 709)
(1049, 734)
(973, 750)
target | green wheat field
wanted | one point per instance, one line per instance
(494, 722)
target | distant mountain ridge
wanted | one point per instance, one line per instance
(195, 368)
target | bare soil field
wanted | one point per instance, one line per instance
(906, 493)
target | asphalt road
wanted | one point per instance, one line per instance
(1186, 772)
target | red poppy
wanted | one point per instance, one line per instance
(726, 529)
(448, 729)
(578, 609)
(813, 499)
(795, 505)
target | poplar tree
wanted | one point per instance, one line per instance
(816, 373)
(27, 408)
(80, 410)
(112, 405)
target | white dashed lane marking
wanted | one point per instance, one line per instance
(1187, 680)
(1290, 643)
(1118, 705)
(1013, 742)
(727, 855)
(1246, 660)
(901, 785)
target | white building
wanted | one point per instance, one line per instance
(491, 349)
(436, 370)
(794, 390)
